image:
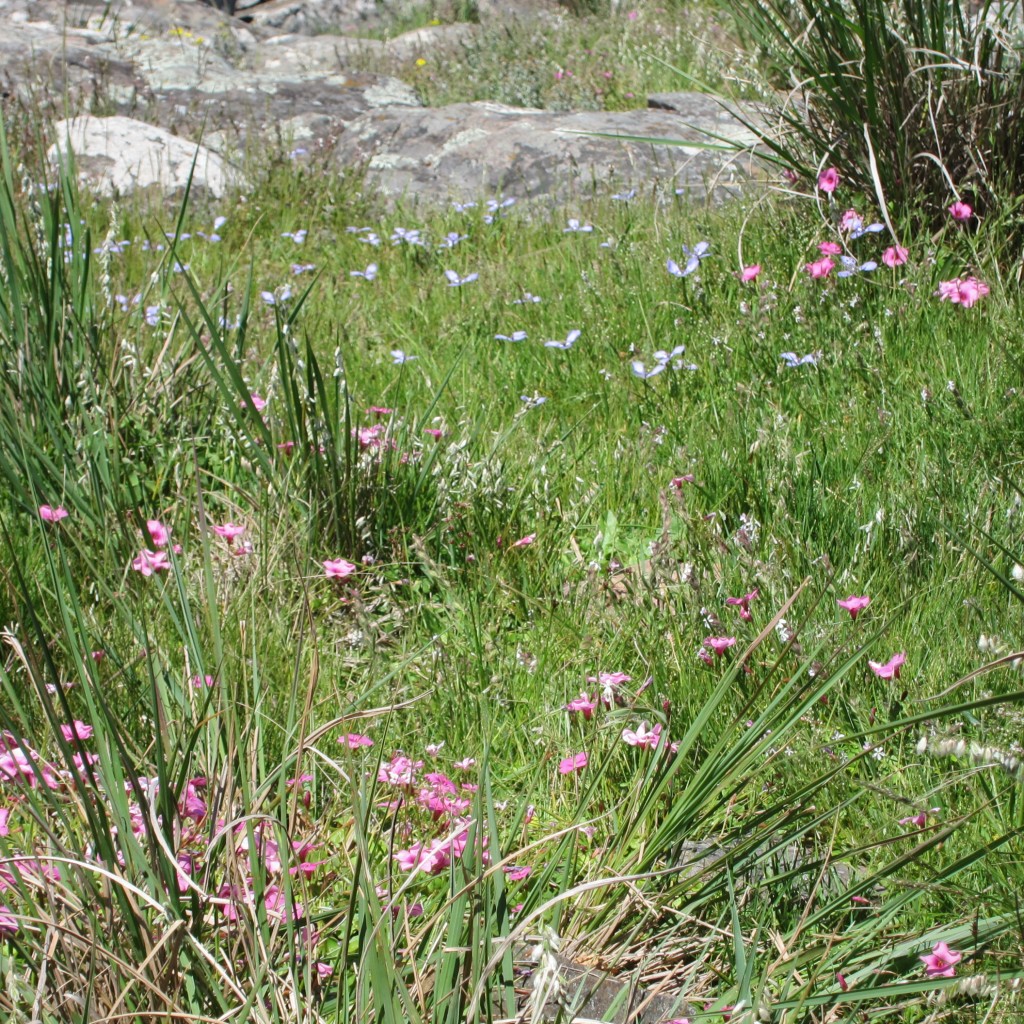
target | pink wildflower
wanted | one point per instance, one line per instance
(148, 562)
(849, 220)
(678, 481)
(159, 533)
(743, 603)
(820, 268)
(8, 922)
(895, 256)
(52, 515)
(584, 703)
(854, 605)
(891, 669)
(338, 568)
(573, 763)
(960, 212)
(76, 731)
(644, 737)
(515, 874)
(229, 531)
(719, 644)
(828, 180)
(200, 682)
(524, 541)
(5, 817)
(830, 248)
(962, 291)
(258, 402)
(941, 961)
(355, 740)
(750, 273)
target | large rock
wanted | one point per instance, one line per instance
(463, 150)
(118, 155)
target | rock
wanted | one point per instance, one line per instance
(590, 993)
(463, 150)
(118, 155)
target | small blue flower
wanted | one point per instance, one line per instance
(570, 340)
(454, 281)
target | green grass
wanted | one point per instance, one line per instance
(597, 61)
(889, 468)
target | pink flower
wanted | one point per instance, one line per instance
(895, 256)
(524, 541)
(200, 682)
(854, 605)
(148, 562)
(8, 922)
(678, 481)
(380, 410)
(465, 764)
(891, 669)
(743, 603)
(941, 961)
(5, 817)
(229, 531)
(633, 15)
(338, 568)
(719, 644)
(850, 219)
(256, 400)
(76, 731)
(828, 180)
(355, 740)
(643, 737)
(574, 763)
(750, 273)
(963, 292)
(434, 433)
(829, 248)
(960, 212)
(820, 268)
(610, 678)
(52, 515)
(920, 820)
(158, 532)
(515, 874)
(583, 703)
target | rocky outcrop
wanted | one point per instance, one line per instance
(117, 155)
(460, 151)
(240, 87)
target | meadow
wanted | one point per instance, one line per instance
(395, 595)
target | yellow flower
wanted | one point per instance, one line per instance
(421, 62)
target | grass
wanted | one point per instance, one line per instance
(596, 61)
(887, 466)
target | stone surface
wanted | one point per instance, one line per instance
(461, 151)
(118, 155)
(251, 87)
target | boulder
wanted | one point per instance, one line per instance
(464, 150)
(119, 155)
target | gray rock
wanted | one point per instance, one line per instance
(461, 151)
(590, 993)
(118, 155)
